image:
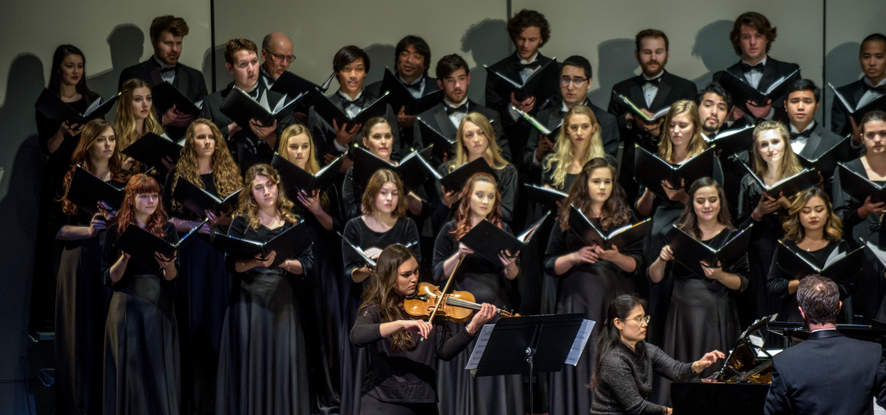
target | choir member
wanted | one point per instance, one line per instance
(489, 283)
(655, 88)
(589, 275)
(752, 36)
(475, 138)
(276, 56)
(141, 369)
(263, 367)
(404, 351)
(578, 143)
(813, 227)
(253, 143)
(454, 78)
(809, 139)
(134, 117)
(383, 222)
(862, 218)
(701, 314)
(80, 297)
(713, 104)
(622, 379)
(575, 83)
(203, 292)
(872, 59)
(771, 160)
(167, 33)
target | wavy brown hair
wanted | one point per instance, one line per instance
(140, 184)
(794, 231)
(380, 292)
(493, 152)
(563, 156)
(462, 216)
(124, 120)
(248, 208)
(378, 179)
(696, 143)
(689, 219)
(225, 173)
(615, 212)
(88, 135)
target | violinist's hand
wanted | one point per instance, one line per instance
(423, 328)
(486, 313)
(707, 360)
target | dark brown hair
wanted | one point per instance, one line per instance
(529, 18)
(378, 179)
(237, 44)
(689, 220)
(615, 211)
(756, 21)
(462, 217)
(380, 292)
(643, 34)
(176, 26)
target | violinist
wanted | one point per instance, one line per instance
(404, 352)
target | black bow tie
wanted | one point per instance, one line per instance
(416, 86)
(747, 68)
(881, 89)
(531, 65)
(358, 102)
(167, 69)
(463, 108)
(654, 82)
(804, 134)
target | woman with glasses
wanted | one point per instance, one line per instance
(625, 363)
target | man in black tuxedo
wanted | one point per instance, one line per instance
(529, 31)
(167, 33)
(828, 373)
(412, 56)
(872, 57)
(253, 143)
(277, 57)
(809, 139)
(752, 36)
(575, 83)
(654, 89)
(454, 77)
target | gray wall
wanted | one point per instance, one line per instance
(114, 35)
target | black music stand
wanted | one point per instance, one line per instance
(530, 344)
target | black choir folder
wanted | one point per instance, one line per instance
(826, 162)
(293, 85)
(839, 265)
(412, 169)
(734, 140)
(241, 108)
(650, 170)
(456, 179)
(401, 97)
(544, 195)
(441, 143)
(365, 256)
(152, 148)
(52, 107)
(328, 111)
(487, 240)
(742, 91)
(199, 200)
(86, 191)
(655, 115)
(875, 101)
(533, 85)
(787, 186)
(294, 178)
(689, 251)
(140, 243)
(621, 237)
(166, 95)
(876, 251)
(859, 186)
(288, 244)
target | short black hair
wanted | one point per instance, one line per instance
(578, 62)
(870, 38)
(529, 18)
(803, 85)
(714, 88)
(449, 64)
(420, 46)
(349, 54)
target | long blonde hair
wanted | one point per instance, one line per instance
(789, 163)
(124, 120)
(225, 173)
(493, 152)
(696, 143)
(563, 156)
(312, 166)
(248, 208)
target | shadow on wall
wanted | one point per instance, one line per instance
(488, 43)
(222, 77)
(21, 161)
(126, 46)
(843, 68)
(616, 63)
(380, 56)
(713, 47)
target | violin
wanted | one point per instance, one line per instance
(457, 306)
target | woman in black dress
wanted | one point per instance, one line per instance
(813, 227)
(80, 297)
(589, 276)
(489, 283)
(772, 160)
(382, 223)
(135, 117)
(622, 379)
(702, 313)
(403, 351)
(862, 218)
(141, 335)
(262, 365)
(203, 292)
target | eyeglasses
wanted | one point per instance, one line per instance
(641, 319)
(279, 57)
(575, 80)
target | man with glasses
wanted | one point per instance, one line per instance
(277, 57)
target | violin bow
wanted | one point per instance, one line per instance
(445, 287)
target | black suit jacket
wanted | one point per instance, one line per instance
(550, 116)
(828, 373)
(245, 147)
(497, 95)
(821, 140)
(436, 117)
(671, 89)
(324, 134)
(407, 138)
(773, 70)
(839, 116)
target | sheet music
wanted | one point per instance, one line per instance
(480, 346)
(578, 345)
